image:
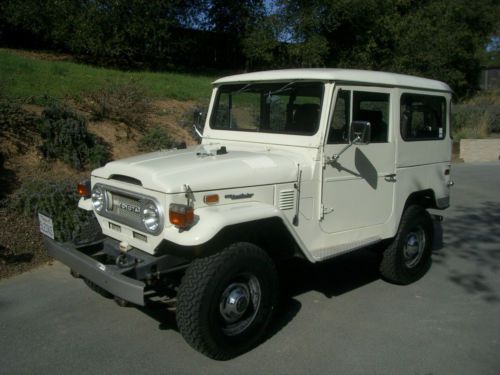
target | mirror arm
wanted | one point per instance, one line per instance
(336, 157)
(197, 131)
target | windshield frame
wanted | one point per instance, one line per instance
(278, 89)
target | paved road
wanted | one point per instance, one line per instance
(339, 318)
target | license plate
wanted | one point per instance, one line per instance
(46, 225)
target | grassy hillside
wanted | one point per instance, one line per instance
(22, 76)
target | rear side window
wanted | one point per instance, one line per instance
(423, 117)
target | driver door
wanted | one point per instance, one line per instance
(358, 188)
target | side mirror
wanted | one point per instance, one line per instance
(198, 119)
(360, 132)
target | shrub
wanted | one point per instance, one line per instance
(127, 103)
(65, 137)
(156, 139)
(477, 117)
(56, 199)
(12, 116)
(470, 121)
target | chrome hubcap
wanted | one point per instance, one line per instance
(414, 247)
(239, 304)
(234, 302)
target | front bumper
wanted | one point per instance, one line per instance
(124, 282)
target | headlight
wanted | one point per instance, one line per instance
(98, 198)
(151, 216)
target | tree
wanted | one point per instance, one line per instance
(441, 39)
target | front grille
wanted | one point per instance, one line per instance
(126, 207)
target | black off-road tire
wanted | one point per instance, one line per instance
(397, 268)
(203, 287)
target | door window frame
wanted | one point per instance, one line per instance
(352, 89)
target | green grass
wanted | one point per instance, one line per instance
(25, 77)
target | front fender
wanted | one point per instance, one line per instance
(211, 220)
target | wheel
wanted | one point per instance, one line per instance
(408, 257)
(226, 300)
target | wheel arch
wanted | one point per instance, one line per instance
(271, 234)
(425, 198)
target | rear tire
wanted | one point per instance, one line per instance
(226, 300)
(408, 256)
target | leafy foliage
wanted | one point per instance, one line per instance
(156, 139)
(12, 116)
(16, 124)
(56, 199)
(65, 137)
(128, 103)
(442, 39)
(477, 117)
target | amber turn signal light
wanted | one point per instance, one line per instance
(211, 199)
(83, 189)
(181, 215)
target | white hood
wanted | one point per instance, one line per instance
(169, 171)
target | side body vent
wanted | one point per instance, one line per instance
(287, 199)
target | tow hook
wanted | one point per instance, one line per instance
(75, 274)
(123, 261)
(121, 302)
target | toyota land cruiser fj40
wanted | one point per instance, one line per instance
(309, 163)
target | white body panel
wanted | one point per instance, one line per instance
(342, 206)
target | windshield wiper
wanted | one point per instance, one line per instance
(281, 89)
(243, 89)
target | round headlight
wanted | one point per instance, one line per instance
(98, 198)
(151, 216)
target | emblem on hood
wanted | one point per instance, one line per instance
(239, 196)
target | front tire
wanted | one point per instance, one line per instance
(408, 257)
(225, 301)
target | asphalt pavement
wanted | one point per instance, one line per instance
(335, 318)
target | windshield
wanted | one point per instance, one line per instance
(285, 107)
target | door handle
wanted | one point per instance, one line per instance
(391, 177)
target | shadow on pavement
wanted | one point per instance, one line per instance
(333, 277)
(473, 235)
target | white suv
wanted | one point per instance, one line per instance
(309, 163)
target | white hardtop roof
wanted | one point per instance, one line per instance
(362, 77)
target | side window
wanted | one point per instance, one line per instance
(423, 117)
(339, 126)
(374, 108)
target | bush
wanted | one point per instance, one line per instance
(127, 103)
(156, 139)
(470, 121)
(12, 117)
(477, 117)
(56, 199)
(65, 137)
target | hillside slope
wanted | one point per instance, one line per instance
(120, 108)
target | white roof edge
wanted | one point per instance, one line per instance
(341, 75)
